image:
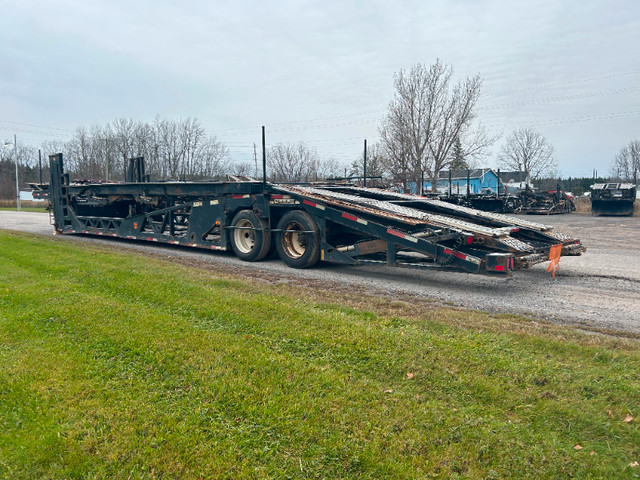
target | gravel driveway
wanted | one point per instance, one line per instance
(600, 289)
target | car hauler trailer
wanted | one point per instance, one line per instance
(613, 199)
(304, 224)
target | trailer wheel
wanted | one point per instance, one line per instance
(250, 239)
(298, 240)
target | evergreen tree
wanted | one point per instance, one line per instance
(458, 162)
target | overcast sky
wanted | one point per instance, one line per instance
(321, 72)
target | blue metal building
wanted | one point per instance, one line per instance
(481, 180)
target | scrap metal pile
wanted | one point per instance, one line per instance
(545, 203)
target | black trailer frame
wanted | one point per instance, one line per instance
(304, 224)
(613, 199)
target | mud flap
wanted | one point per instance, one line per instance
(554, 255)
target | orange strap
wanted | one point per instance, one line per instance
(554, 256)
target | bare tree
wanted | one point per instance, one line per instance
(244, 169)
(292, 162)
(123, 135)
(526, 150)
(626, 164)
(398, 160)
(213, 158)
(27, 160)
(328, 168)
(426, 117)
(7, 176)
(171, 149)
(376, 162)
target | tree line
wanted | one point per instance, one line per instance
(431, 124)
(172, 149)
(626, 164)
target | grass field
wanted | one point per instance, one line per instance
(118, 365)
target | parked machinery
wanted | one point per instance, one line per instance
(613, 199)
(545, 202)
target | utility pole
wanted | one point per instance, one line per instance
(255, 159)
(264, 160)
(106, 157)
(15, 147)
(40, 164)
(364, 174)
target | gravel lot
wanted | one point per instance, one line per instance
(600, 289)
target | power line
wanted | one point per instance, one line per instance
(33, 132)
(36, 126)
(325, 122)
(563, 84)
(381, 112)
(560, 121)
(562, 98)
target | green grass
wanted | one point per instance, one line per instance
(116, 365)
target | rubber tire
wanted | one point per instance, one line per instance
(262, 237)
(286, 244)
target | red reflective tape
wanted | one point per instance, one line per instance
(351, 217)
(469, 240)
(499, 268)
(235, 197)
(307, 202)
(460, 255)
(448, 251)
(278, 197)
(397, 234)
(149, 239)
